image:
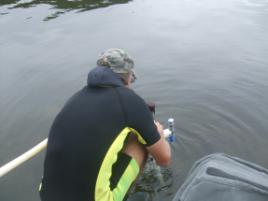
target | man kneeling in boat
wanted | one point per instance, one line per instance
(100, 140)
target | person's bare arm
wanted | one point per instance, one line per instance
(160, 150)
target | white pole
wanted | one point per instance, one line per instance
(22, 158)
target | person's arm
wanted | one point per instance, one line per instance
(140, 118)
(160, 150)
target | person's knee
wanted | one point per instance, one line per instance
(136, 150)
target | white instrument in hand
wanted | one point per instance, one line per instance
(169, 133)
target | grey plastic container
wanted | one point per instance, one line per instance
(220, 177)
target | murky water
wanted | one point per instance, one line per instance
(203, 63)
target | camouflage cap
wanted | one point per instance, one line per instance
(118, 60)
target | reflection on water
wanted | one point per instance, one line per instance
(63, 5)
(152, 183)
(5, 2)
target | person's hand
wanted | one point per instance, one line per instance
(160, 128)
(161, 149)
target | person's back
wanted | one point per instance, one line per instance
(84, 159)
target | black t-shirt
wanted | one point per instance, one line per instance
(81, 135)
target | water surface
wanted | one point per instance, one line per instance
(203, 63)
